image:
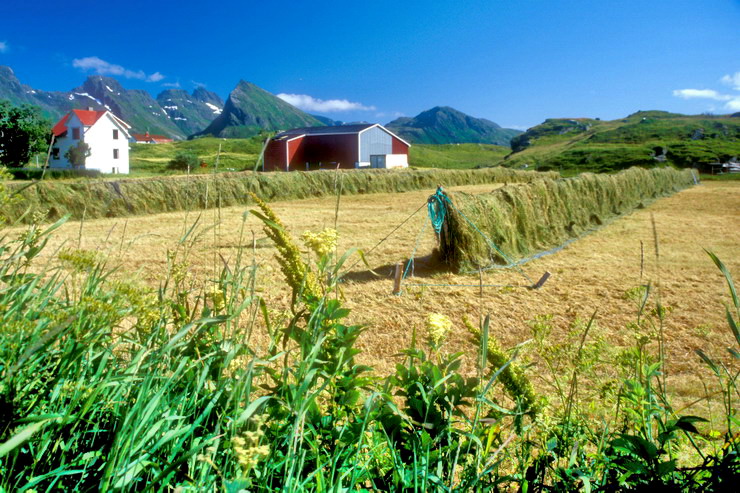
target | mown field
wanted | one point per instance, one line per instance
(593, 273)
(219, 389)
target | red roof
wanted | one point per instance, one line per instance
(147, 137)
(87, 117)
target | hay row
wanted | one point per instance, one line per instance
(526, 219)
(128, 197)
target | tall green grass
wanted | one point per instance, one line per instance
(127, 197)
(523, 219)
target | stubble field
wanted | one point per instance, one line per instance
(591, 275)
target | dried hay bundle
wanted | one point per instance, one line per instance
(524, 219)
(135, 196)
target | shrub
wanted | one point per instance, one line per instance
(184, 161)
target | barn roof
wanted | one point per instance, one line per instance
(337, 129)
(331, 130)
(151, 137)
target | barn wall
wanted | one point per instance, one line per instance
(275, 155)
(400, 147)
(326, 149)
(375, 141)
(295, 153)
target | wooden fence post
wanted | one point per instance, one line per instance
(397, 279)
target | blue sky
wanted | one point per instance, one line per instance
(513, 62)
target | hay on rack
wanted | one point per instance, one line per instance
(529, 218)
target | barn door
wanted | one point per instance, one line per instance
(377, 161)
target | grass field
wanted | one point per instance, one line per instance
(456, 155)
(235, 155)
(595, 273)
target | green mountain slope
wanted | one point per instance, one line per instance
(191, 112)
(52, 104)
(445, 125)
(250, 109)
(134, 106)
(644, 138)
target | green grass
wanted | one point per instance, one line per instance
(456, 156)
(236, 155)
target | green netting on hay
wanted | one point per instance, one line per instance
(525, 219)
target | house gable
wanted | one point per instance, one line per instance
(106, 134)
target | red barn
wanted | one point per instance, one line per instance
(368, 145)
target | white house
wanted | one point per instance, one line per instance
(105, 133)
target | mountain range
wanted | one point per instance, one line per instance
(248, 111)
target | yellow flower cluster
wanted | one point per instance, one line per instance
(217, 298)
(247, 449)
(297, 274)
(79, 260)
(438, 326)
(515, 382)
(323, 242)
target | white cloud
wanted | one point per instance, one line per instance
(732, 80)
(155, 77)
(309, 103)
(198, 84)
(4, 47)
(733, 104)
(700, 94)
(101, 67)
(174, 85)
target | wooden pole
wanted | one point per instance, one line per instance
(397, 279)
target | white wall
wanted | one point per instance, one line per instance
(396, 161)
(64, 143)
(100, 139)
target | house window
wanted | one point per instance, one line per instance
(76, 133)
(115, 134)
(115, 153)
(55, 153)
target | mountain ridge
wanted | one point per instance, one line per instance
(446, 125)
(249, 110)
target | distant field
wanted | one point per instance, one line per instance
(240, 154)
(236, 155)
(456, 155)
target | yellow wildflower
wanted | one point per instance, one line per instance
(323, 242)
(217, 298)
(246, 447)
(438, 326)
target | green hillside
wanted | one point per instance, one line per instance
(644, 138)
